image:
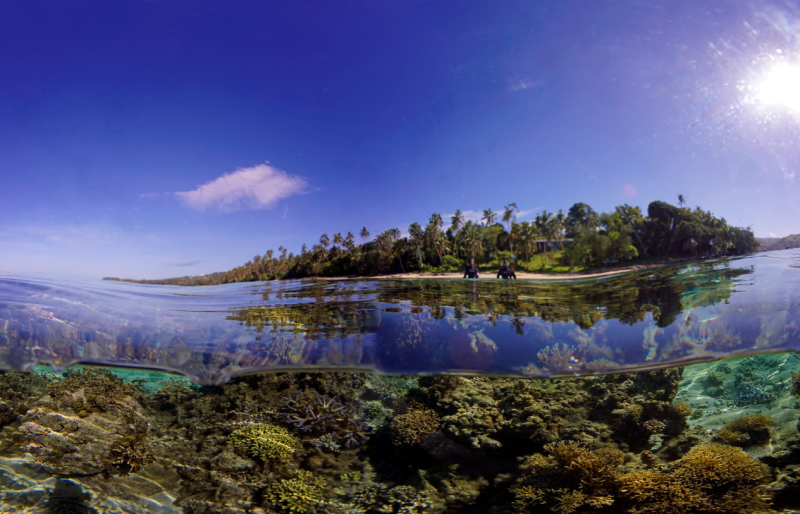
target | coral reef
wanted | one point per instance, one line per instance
(414, 426)
(747, 431)
(318, 414)
(264, 442)
(301, 492)
(300, 443)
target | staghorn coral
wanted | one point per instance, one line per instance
(414, 426)
(656, 492)
(729, 480)
(747, 431)
(314, 413)
(302, 492)
(264, 442)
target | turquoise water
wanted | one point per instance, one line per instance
(638, 320)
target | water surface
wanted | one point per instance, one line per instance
(650, 318)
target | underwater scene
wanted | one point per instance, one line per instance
(406, 396)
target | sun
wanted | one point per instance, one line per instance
(782, 86)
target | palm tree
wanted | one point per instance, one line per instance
(560, 221)
(528, 235)
(325, 242)
(543, 227)
(457, 220)
(337, 238)
(681, 200)
(399, 248)
(434, 233)
(489, 216)
(415, 231)
(303, 249)
(364, 235)
(510, 216)
(472, 238)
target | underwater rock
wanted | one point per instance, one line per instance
(88, 424)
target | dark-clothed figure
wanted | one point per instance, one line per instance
(472, 270)
(506, 271)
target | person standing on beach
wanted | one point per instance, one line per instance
(506, 271)
(472, 270)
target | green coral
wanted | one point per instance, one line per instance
(301, 493)
(265, 442)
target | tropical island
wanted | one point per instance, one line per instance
(578, 240)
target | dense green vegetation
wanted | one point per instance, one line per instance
(553, 242)
(779, 243)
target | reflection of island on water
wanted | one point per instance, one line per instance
(649, 318)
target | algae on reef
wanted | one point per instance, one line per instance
(346, 442)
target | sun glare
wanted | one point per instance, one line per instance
(782, 86)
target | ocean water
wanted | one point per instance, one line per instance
(670, 389)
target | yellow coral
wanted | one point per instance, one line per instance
(265, 442)
(414, 426)
(681, 410)
(747, 430)
(301, 493)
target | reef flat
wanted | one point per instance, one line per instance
(701, 439)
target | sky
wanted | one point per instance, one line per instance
(151, 139)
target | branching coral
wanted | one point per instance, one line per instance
(681, 410)
(414, 426)
(712, 478)
(264, 442)
(301, 493)
(317, 414)
(728, 479)
(747, 431)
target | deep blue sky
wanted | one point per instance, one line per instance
(373, 113)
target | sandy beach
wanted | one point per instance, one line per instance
(521, 275)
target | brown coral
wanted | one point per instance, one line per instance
(414, 426)
(681, 410)
(747, 431)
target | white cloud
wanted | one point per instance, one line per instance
(771, 234)
(258, 187)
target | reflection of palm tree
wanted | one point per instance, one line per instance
(681, 200)
(489, 217)
(518, 322)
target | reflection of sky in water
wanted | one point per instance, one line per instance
(649, 318)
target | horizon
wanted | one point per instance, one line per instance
(147, 141)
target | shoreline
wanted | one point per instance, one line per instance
(491, 275)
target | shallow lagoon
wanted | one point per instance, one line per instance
(254, 426)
